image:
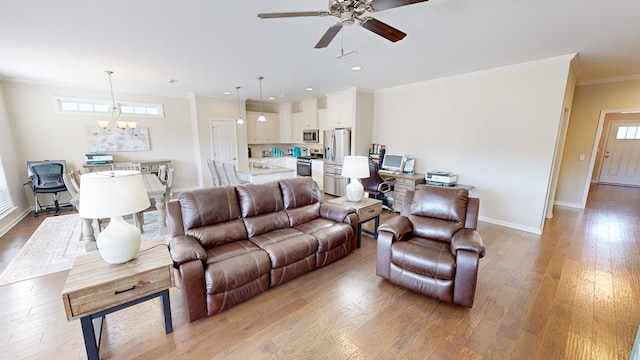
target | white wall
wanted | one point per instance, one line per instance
(589, 101)
(39, 132)
(495, 129)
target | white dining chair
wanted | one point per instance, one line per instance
(224, 180)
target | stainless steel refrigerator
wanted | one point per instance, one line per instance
(337, 145)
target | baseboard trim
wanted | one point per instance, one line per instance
(511, 225)
(569, 205)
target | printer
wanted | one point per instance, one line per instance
(97, 159)
(440, 178)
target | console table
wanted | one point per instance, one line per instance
(95, 288)
(147, 166)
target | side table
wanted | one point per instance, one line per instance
(367, 209)
(95, 288)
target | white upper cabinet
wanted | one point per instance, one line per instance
(263, 132)
(285, 122)
(340, 109)
(309, 113)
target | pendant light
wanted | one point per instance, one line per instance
(115, 112)
(261, 118)
(239, 121)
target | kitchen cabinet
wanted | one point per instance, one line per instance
(317, 172)
(285, 112)
(340, 110)
(306, 119)
(296, 128)
(352, 108)
(267, 132)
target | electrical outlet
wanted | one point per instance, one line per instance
(581, 157)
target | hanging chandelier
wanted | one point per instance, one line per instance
(115, 113)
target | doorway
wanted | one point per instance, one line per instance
(620, 161)
(223, 141)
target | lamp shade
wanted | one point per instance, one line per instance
(355, 167)
(106, 194)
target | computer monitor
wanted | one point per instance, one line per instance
(393, 162)
(32, 163)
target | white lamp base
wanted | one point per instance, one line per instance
(119, 242)
(355, 190)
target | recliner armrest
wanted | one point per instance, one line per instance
(185, 248)
(336, 212)
(469, 240)
(398, 226)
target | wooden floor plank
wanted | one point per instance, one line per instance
(572, 293)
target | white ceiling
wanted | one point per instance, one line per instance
(212, 46)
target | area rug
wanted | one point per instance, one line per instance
(57, 242)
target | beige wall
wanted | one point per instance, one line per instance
(496, 130)
(588, 104)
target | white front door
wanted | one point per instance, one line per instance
(223, 141)
(621, 158)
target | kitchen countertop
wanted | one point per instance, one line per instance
(267, 170)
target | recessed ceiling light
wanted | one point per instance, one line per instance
(227, 93)
(271, 98)
(309, 88)
(356, 68)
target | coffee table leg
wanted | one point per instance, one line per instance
(90, 343)
(166, 308)
(375, 228)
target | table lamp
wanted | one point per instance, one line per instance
(112, 194)
(355, 168)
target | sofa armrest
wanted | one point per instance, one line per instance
(469, 240)
(398, 227)
(335, 212)
(185, 248)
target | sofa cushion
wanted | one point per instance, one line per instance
(212, 215)
(233, 265)
(286, 246)
(424, 257)
(262, 208)
(299, 191)
(258, 199)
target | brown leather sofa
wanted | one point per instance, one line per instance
(231, 243)
(433, 248)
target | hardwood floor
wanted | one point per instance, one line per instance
(572, 293)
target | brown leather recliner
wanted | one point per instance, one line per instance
(433, 247)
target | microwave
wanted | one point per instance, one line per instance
(310, 136)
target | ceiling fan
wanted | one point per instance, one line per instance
(349, 12)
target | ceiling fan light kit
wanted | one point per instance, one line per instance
(350, 12)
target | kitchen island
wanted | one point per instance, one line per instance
(262, 173)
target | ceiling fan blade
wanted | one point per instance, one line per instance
(292, 14)
(379, 5)
(328, 36)
(386, 31)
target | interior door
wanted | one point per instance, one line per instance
(223, 141)
(621, 158)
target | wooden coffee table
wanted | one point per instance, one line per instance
(95, 288)
(367, 209)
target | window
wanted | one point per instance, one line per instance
(102, 107)
(5, 201)
(628, 132)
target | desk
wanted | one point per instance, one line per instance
(155, 190)
(402, 182)
(367, 209)
(146, 166)
(95, 288)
